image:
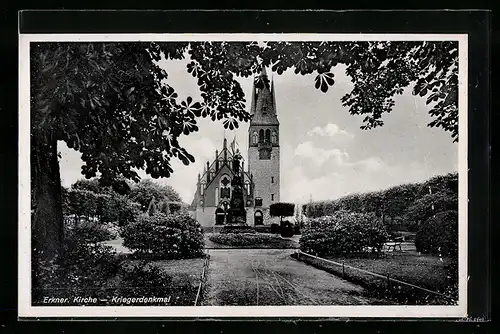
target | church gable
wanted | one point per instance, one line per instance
(215, 189)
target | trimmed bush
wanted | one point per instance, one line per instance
(282, 210)
(438, 235)
(237, 229)
(251, 240)
(343, 233)
(162, 236)
(275, 228)
(262, 229)
(286, 229)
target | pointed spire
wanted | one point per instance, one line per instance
(252, 105)
(273, 94)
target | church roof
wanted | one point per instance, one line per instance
(263, 104)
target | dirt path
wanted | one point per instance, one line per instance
(272, 277)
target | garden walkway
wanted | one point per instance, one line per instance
(272, 277)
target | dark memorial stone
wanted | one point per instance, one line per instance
(237, 214)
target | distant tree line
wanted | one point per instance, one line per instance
(89, 199)
(401, 207)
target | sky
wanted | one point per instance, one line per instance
(324, 153)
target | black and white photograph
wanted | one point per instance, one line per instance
(243, 175)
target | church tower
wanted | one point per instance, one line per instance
(264, 144)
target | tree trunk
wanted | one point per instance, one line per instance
(47, 221)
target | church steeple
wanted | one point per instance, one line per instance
(264, 144)
(263, 106)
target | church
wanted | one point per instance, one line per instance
(261, 179)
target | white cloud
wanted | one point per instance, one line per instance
(319, 155)
(330, 130)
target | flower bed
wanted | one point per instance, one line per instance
(252, 240)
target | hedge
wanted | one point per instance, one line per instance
(251, 240)
(343, 233)
(439, 234)
(176, 236)
(237, 229)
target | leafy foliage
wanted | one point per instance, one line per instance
(282, 210)
(91, 232)
(430, 204)
(343, 233)
(287, 229)
(176, 236)
(82, 269)
(379, 71)
(251, 240)
(147, 190)
(150, 281)
(439, 234)
(89, 200)
(237, 229)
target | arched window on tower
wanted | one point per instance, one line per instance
(268, 136)
(255, 137)
(261, 136)
(216, 195)
(274, 137)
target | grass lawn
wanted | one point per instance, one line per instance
(429, 272)
(422, 270)
(249, 240)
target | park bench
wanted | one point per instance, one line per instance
(393, 244)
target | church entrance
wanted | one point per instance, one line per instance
(258, 219)
(220, 216)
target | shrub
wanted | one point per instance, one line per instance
(439, 234)
(275, 228)
(177, 207)
(176, 236)
(249, 240)
(343, 233)
(81, 269)
(91, 232)
(262, 229)
(428, 205)
(150, 281)
(296, 229)
(286, 229)
(118, 208)
(237, 229)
